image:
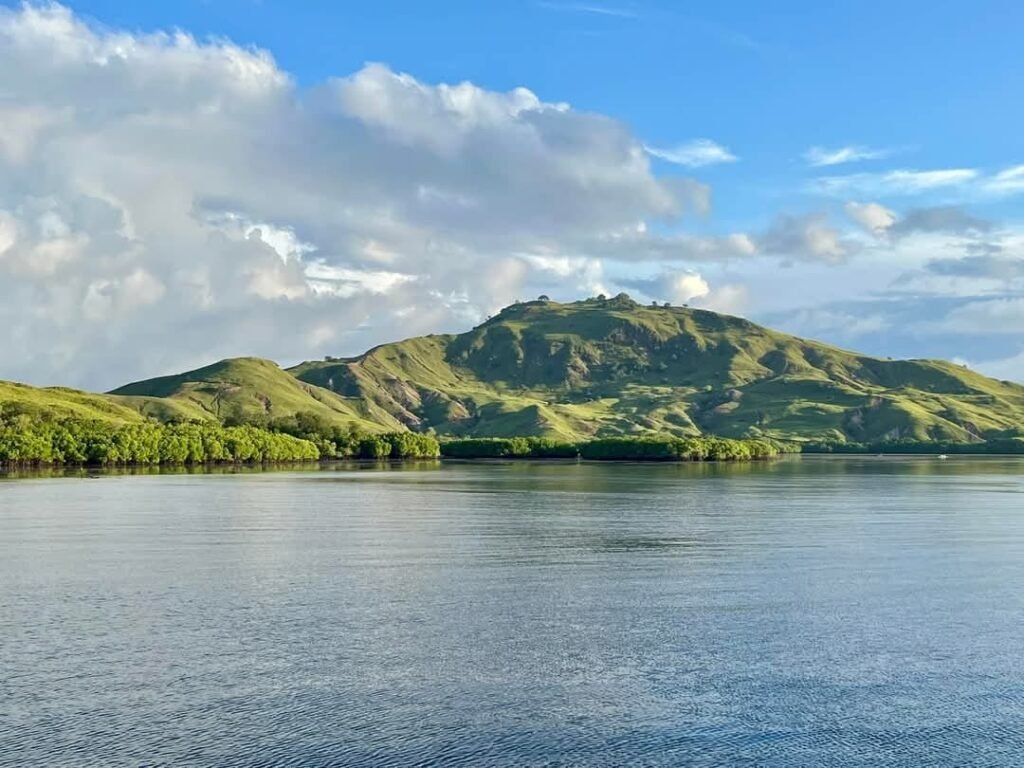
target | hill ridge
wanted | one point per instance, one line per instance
(612, 366)
(591, 368)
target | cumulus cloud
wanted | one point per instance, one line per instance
(694, 154)
(691, 288)
(675, 287)
(873, 217)
(166, 201)
(819, 157)
(881, 221)
(809, 237)
(730, 299)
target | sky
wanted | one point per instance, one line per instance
(184, 182)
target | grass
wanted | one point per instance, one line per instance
(605, 368)
(589, 369)
(64, 403)
(246, 389)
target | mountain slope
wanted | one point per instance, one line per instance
(606, 367)
(62, 403)
(249, 389)
(600, 367)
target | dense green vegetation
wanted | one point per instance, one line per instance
(24, 442)
(34, 439)
(613, 449)
(1009, 445)
(588, 370)
(677, 449)
(336, 442)
(508, 447)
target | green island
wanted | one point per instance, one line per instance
(599, 379)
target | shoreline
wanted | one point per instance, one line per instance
(358, 464)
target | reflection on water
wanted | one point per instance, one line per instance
(26, 473)
(818, 611)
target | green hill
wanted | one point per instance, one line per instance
(248, 389)
(594, 368)
(612, 367)
(63, 403)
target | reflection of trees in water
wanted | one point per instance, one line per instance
(570, 476)
(304, 467)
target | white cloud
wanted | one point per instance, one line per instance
(731, 299)
(999, 316)
(166, 201)
(873, 217)
(8, 232)
(897, 182)
(687, 286)
(943, 218)
(690, 288)
(967, 182)
(1008, 181)
(1009, 369)
(819, 157)
(643, 246)
(881, 221)
(952, 263)
(830, 322)
(694, 154)
(810, 237)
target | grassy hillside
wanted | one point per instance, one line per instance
(62, 403)
(613, 367)
(249, 389)
(596, 368)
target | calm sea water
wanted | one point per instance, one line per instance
(815, 612)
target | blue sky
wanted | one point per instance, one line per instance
(851, 171)
(935, 84)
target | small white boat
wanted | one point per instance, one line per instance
(943, 456)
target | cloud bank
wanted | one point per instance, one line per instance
(166, 201)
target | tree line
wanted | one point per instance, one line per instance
(1002, 445)
(613, 448)
(28, 441)
(334, 441)
(101, 443)
(37, 439)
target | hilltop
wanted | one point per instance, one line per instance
(251, 390)
(65, 403)
(611, 366)
(593, 368)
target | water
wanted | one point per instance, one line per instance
(815, 612)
